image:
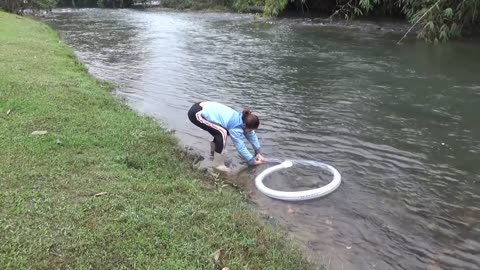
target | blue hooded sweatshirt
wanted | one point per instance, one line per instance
(232, 121)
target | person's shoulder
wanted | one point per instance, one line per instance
(237, 130)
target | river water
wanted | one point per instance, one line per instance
(400, 123)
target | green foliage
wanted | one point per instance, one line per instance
(96, 3)
(368, 5)
(275, 7)
(236, 5)
(196, 4)
(242, 5)
(20, 6)
(436, 20)
(178, 4)
(444, 19)
(246, 5)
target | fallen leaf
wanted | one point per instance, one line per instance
(39, 132)
(216, 255)
(100, 194)
(9, 111)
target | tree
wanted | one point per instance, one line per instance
(437, 20)
(19, 6)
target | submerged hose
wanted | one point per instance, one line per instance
(297, 195)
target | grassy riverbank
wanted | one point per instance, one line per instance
(105, 188)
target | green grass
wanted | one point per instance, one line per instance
(157, 212)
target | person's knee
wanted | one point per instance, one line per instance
(218, 144)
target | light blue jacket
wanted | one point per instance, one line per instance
(232, 121)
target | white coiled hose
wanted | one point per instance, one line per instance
(298, 195)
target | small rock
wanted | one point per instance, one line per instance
(216, 255)
(348, 247)
(100, 194)
(59, 142)
(39, 132)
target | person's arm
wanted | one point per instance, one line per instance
(237, 137)
(253, 139)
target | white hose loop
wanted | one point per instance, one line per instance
(298, 195)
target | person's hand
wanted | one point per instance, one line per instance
(259, 157)
(257, 162)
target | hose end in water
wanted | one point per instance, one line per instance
(287, 164)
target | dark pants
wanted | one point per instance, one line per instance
(218, 132)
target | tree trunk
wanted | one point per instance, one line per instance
(11, 6)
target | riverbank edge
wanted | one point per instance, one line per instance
(76, 160)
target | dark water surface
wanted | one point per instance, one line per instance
(400, 123)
